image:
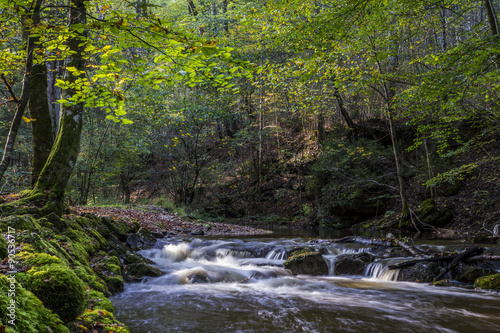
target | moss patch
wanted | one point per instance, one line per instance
(31, 316)
(97, 300)
(99, 321)
(59, 289)
(489, 282)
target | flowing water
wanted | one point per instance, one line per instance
(239, 285)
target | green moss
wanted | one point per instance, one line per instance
(34, 259)
(97, 300)
(89, 277)
(489, 282)
(20, 222)
(59, 289)
(30, 314)
(100, 320)
(108, 268)
(138, 271)
(3, 247)
(428, 207)
(442, 283)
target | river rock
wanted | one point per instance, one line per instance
(306, 261)
(352, 264)
(469, 274)
(489, 282)
(143, 239)
(421, 272)
(137, 271)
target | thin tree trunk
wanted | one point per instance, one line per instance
(215, 25)
(343, 110)
(55, 175)
(22, 102)
(193, 12)
(54, 71)
(225, 26)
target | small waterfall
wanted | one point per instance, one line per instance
(221, 253)
(176, 252)
(379, 271)
(355, 250)
(276, 255)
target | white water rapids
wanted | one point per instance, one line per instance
(239, 285)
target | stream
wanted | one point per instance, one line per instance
(239, 285)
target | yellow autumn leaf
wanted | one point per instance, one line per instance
(28, 120)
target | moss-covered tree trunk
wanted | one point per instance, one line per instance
(56, 173)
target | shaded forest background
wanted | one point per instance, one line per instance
(375, 113)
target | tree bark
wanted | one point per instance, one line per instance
(342, 108)
(225, 25)
(492, 17)
(55, 175)
(22, 102)
(40, 112)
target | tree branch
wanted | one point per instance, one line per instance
(9, 88)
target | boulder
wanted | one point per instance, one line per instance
(306, 261)
(421, 272)
(352, 264)
(488, 282)
(137, 271)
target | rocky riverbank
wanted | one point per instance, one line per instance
(57, 272)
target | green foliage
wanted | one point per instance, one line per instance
(347, 180)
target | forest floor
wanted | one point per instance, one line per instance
(157, 220)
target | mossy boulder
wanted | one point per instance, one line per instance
(352, 264)
(135, 258)
(137, 271)
(96, 300)
(99, 320)
(31, 316)
(91, 279)
(488, 282)
(143, 239)
(108, 268)
(20, 222)
(59, 289)
(37, 259)
(306, 261)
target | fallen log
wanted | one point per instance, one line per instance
(483, 257)
(380, 242)
(416, 261)
(468, 253)
(364, 240)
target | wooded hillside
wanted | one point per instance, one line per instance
(318, 113)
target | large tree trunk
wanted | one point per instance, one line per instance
(40, 112)
(55, 175)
